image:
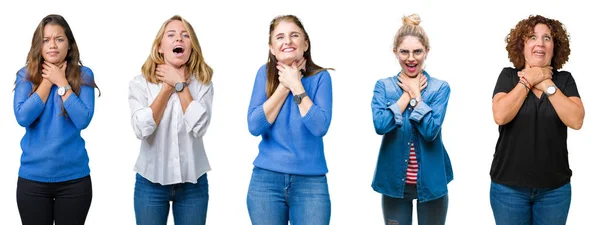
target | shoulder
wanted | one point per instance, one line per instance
(195, 81)
(562, 73)
(138, 79)
(436, 83)
(386, 80)
(323, 74)
(86, 74)
(508, 71)
(86, 71)
(262, 69)
(22, 73)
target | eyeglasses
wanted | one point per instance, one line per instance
(406, 53)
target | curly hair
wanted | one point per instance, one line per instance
(515, 41)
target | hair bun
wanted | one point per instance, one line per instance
(413, 19)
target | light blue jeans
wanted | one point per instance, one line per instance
(276, 198)
(152, 202)
(530, 206)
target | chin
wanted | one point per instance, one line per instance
(287, 60)
(177, 62)
(53, 61)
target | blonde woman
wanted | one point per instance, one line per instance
(408, 110)
(171, 105)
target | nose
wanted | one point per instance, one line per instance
(411, 56)
(53, 44)
(539, 41)
(287, 40)
(178, 37)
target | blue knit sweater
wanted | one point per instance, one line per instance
(53, 149)
(292, 144)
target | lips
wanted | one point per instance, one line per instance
(539, 53)
(52, 53)
(288, 49)
(411, 67)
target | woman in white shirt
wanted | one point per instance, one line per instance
(171, 105)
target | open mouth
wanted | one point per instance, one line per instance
(412, 67)
(178, 50)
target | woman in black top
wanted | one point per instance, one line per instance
(533, 104)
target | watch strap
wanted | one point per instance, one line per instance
(298, 98)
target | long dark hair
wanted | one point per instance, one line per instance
(272, 72)
(35, 59)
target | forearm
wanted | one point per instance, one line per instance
(506, 106)
(274, 103)
(43, 91)
(159, 104)
(403, 101)
(569, 109)
(185, 98)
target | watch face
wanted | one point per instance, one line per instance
(178, 87)
(61, 91)
(551, 90)
(297, 99)
(413, 102)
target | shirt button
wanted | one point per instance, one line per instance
(388, 103)
(405, 160)
(408, 143)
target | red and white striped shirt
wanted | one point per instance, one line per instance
(413, 167)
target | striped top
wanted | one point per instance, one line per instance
(413, 167)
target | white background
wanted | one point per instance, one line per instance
(468, 51)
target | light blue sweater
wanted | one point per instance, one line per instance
(53, 149)
(292, 144)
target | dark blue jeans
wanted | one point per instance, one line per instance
(276, 198)
(399, 211)
(152, 202)
(530, 206)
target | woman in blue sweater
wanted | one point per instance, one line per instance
(291, 109)
(54, 101)
(408, 110)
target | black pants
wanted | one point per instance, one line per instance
(66, 203)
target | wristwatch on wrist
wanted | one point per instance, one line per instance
(179, 86)
(298, 97)
(63, 90)
(413, 101)
(550, 90)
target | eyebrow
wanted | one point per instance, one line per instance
(58, 36)
(293, 32)
(183, 31)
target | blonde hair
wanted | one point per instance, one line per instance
(410, 27)
(195, 63)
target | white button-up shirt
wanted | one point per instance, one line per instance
(172, 152)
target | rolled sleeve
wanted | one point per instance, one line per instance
(386, 115)
(142, 120)
(419, 112)
(198, 113)
(397, 113)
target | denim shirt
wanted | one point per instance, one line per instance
(421, 125)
